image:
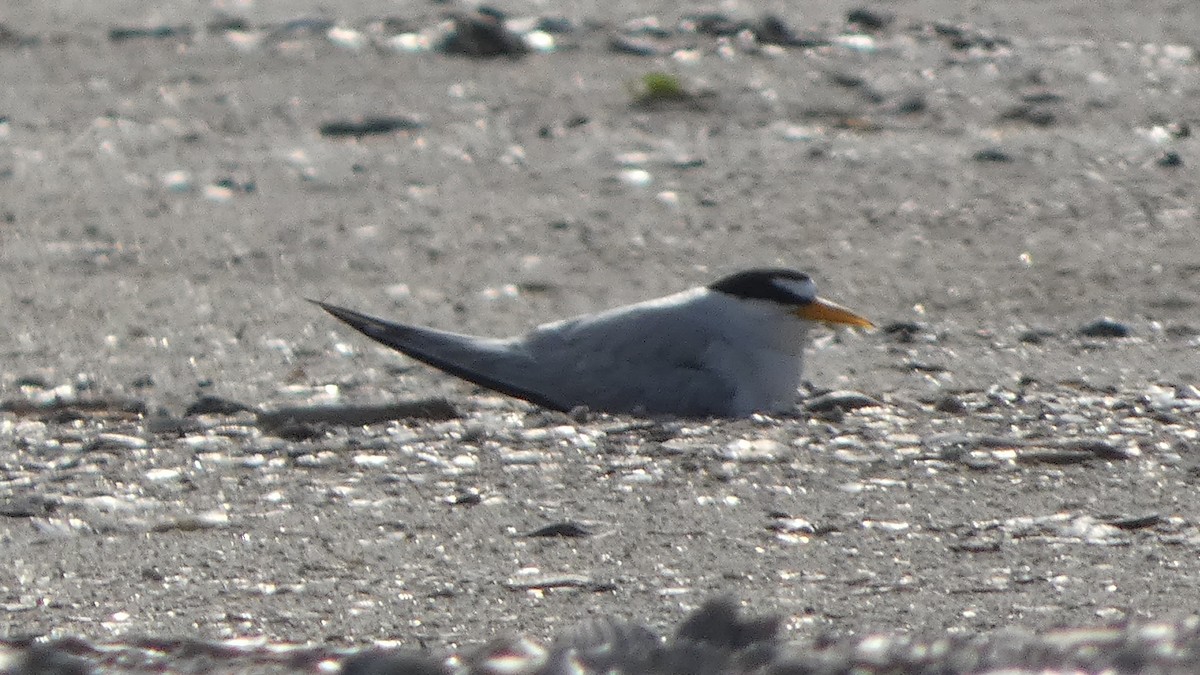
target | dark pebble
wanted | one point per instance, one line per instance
(296, 432)
(1037, 115)
(467, 499)
(142, 382)
(1097, 447)
(369, 126)
(991, 155)
(840, 400)
(902, 331)
(925, 367)
(1169, 159)
(1105, 328)
(215, 405)
(714, 23)
(950, 404)
(482, 34)
(121, 34)
(13, 38)
(967, 37)
(567, 529)
(226, 22)
(555, 25)
(1039, 95)
(1135, 522)
(870, 19)
(31, 381)
(912, 105)
(772, 30)
(1035, 336)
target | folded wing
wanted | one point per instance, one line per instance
(499, 365)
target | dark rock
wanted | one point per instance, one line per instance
(870, 19)
(226, 22)
(482, 34)
(772, 30)
(991, 155)
(912, 105)
(369, 126)
(122, 34)
(840, 400)
(215, 405)
(902, 331)
(10, 37)
(1035, 336)
(565, 529)
(1169, 159)
(1135, 522)
(714, 23)
(950, 404)
(143, 382)
(1105, 328)
(968, 37)
(32, 381)
(556, 25)
(1035, 114)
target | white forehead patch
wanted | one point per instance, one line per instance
(803, 289)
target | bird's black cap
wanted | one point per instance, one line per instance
(784, 286)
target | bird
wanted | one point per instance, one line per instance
(729, 349)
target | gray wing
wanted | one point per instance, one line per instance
(646, 362)
(499, 365)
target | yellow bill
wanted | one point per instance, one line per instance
(832, 313)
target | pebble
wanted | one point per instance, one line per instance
(870, 19)
(903, 331)
(369, 126)
(950, 404)
(482, 33)
(215, 405)
(1169, 159)
(992, 155)
(568, 529)
(843, 400)
(1105, 328)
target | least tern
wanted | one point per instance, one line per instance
(729, 349)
